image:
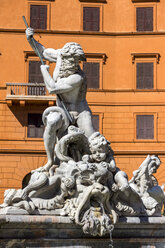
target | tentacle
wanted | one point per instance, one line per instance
(64, 117)
(61, 148)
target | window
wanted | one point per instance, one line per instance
(35, 126)
(144, 19)
(144, 126)
(35, 76)
(145, 70)
(38, 16)
(91, 18)
(92, 72)
(93, 69)
(95, 119)
(144, 75)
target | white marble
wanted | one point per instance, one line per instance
(81, 179)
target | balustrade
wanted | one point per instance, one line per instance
(26, 89)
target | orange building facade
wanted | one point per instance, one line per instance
(124, 42)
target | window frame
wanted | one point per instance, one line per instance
(26, 128)
(89, 60)
(101, 117)
(36, 89)
(30, 56)
(155, 139)
(146, 5)
(96, 58)
(100, 6)
(145, 58)
(40, 2)
(139, 75)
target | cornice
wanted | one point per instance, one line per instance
(126, 90)
(22, 151)
(102, 56)
(133, 153)
(46, 0)
(144, 1)
(145, 55)
(126, 104)
(116, 152)
(93, 1)
(29, 54)
(84, 33)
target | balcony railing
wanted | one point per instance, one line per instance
(28, 91)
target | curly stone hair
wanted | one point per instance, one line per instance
(98, 140)
(70, 54)
(72, 49)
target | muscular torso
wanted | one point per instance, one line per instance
(75, 99)
(68, 73)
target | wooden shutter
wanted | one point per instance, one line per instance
(91, 18)
(35, 76)
(92, 72)
(149, 19)
(145, 127)
(144, 75)
(95, 119)
(144, 19)
(38, 16)
(31, 125)
(39, 127)
(35, 126)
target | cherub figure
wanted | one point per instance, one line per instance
(102, 156)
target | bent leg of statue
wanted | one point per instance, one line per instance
(85, 123)
(54, 123)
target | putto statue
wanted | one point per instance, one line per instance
(81, 179)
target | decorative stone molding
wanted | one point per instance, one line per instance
(144, 1)
(58, 231)
(102, 56)
(46, 0)
(145, 55)
(28, 54)
(93, 1)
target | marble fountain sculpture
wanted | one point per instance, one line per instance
(81, 179)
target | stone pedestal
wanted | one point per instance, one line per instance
(30, 231)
